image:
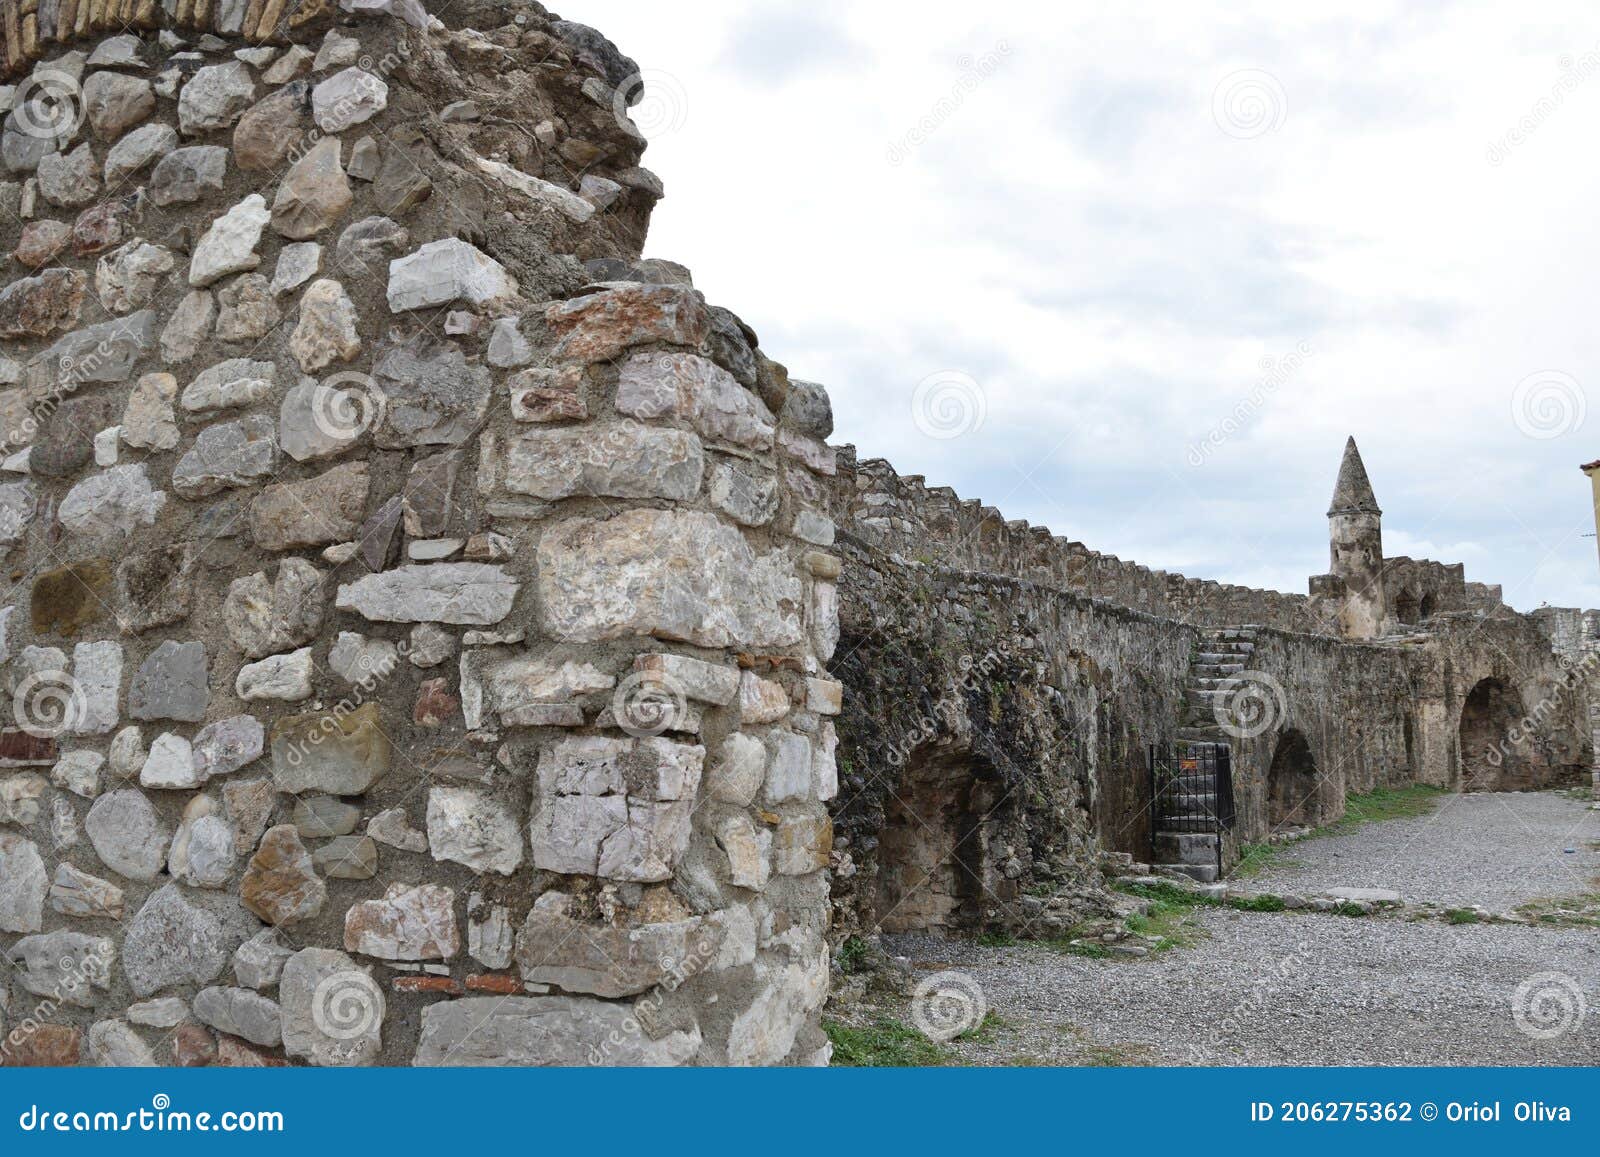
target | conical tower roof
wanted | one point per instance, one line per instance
(1352, 494)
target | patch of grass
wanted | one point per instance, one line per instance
(1114, 1056)
(993, 1022)
(1171, 924)
(1265, 903)
(1460, 916)
(853, 955)
(1255, 859)
(1086, 948)
(1582, 911)
(997, 939)
(885, 1043)
(1387, 803)
(1173, 894)
(1347, 908)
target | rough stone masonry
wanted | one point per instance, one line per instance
(418, 614)
(415, 627)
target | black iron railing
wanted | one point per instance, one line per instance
(1191, 787)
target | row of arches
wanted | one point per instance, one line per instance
(934, 855)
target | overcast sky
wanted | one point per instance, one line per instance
(1135, 271)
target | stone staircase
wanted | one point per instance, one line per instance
(1187, 832)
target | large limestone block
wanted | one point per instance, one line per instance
(444, 272)
(618, 808)
(465, 593)
(616, 460)
(587, 956)
(681, 575)
(544, 1030)
(332, 1010)
(693, 389)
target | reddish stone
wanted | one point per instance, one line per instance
(280, 883)
(233, 1053)
(100, 228)
(499, 983)
(547, 404)
(599, 326)
(19, 749)
(39, 306)
(46, 1046)
(42, 242)
(427, 984)
(192, 1047)
(435, 704)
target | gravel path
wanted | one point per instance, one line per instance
(1282, 989)
(1494, 850)
(1304, 988)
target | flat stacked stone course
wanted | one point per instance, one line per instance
(415, 641)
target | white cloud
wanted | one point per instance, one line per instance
(1072, 227)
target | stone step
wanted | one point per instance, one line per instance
(1203, 873)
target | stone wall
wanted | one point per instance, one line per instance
(965, 647)
(418, 609)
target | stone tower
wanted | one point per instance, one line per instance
(1355, 540)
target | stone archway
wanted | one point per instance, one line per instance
(1428, 606)
(1490, 761)
(1406, 607)
(1293, 794)
(931, 851)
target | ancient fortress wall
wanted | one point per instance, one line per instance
(901, 514)
(418, 608)
(426, 639)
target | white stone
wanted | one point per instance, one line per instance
(462, 593)
(391, 827)
(348, 98)
(332, 1010)
(355, 658)
(110, 504)
(490, 937)
(163, 1012)
(229, 246)
(739, 770)
(471, 827)
(298, 263)
(79, 772)
(128, 835)
(445, 272)
(286, 677)
(23, 884)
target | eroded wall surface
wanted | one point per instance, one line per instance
(1046, 672)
